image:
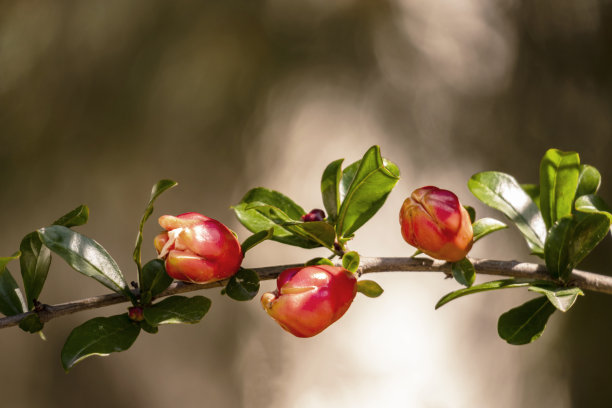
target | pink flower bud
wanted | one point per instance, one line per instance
(136, 314)
(308, 299)
(314, 215)
(435, 222)
(197, 248)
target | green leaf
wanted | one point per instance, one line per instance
(485, 226)
(154, 280)
(589, 180)
(256, 239)
(158, 188)
(243, 285)
(99, 337)
(319, 261)
(593, 204)
(556, 250)
(11, 299)
(525, 323)
(369, 188)
(177, 309)
(86, 256)
(350, 261)
(35, 261)
(74, 218)
(369, 288)
(533, 191)
(471, 211)
(560, 297)
(502, 192)
(148, 328)
(589, 229)
(483, 287)
(464, 272)
(330, 185)
(348, 174)
(559, 172)
(31, 323)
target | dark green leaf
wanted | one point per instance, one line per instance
(330, 184)
(31, 324)
(533, 191)
(148, 328)
(99, 337)
(350, 261)
(154, 280)
(485, 226)
(158, 188)
(319, 261)
(559, 172)
(369, 288)
(502, 192)
(483, 287)
(556, 250)
(588, 181)
(244, 285)
(471, 211)
(35, 261)
(370, 186)
(525, 323)
(86, 256)
(256, 239)
(348, 174)
(589, 229)
(177, 309)
(560, 297)
(464, 272)
(74, 218)
(11, 299)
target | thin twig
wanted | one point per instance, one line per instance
(585, 280)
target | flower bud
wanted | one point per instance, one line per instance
(434, 221)
(314, 215)
(197, 248)
(135, 313)
(308, 299)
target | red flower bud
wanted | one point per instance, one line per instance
(135, 313)
(197, 248)
(308, 299)
(435, 222)
(314, 215)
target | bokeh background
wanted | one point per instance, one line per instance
(100, 99)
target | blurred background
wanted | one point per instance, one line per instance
(100, 99)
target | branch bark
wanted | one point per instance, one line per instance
(585, 280)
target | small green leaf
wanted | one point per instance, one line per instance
(158, 188)
(483, 287)
(99, 337)
(154, 280)
(560, 297)
(471, 211)
(593, 204)
(11, 299)
(177, 309)
(31, 323)
(244, 285)
(464, 272)
(86, 256)
(533, 191)
(589, 180)
(559, 172)
(502, 192)
(319, 261)
(588, 231)
(369, 288)
(348, 174)
(330, 185)
(350, 261)
(369, 188)
(556, 250)
(74, 218)
(148, 328)
(485, 226)
(256, 239)
(35, 261)
(525, 323)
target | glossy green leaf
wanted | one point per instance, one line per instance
(369, 288)
(589, 180)
(589, 229)
(34, 261)
(556, 250)
(156, 191)
(256, 239)
(560, 297)
(559, 172)
(86, 256)
(464, 272)
(74, 218)
(525, 323)
(244, 285)
(483, 287)
(350, 261)
(31, 324)
(593, 204)
(11, 299)
(319, 261)
(502, 192)
(485, 226)
(177, 309)
(348, 174)
(99, 337)
(369, 188)
(330, 188)
(154, 280)
(533, 191)
(471, 212)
